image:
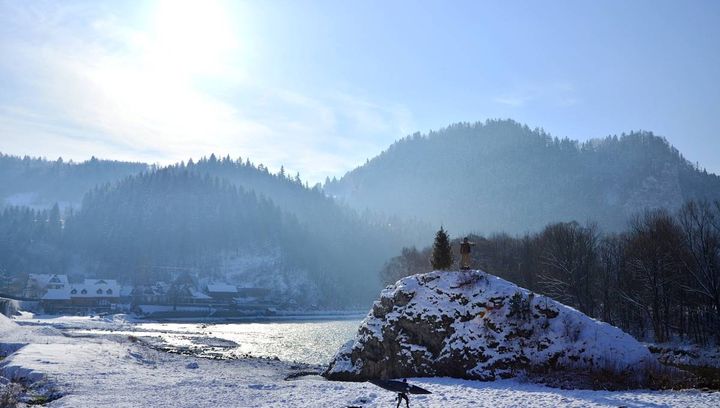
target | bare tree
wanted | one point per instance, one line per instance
(655, 260)
(610, 275)
(410, 262)
(701, 227)
(569, 253)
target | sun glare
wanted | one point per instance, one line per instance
(191, 36)
(184, 42)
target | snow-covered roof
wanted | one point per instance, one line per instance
(109, 282)
(198, 295)
(46, 279)
(221, 288)
(57, 294)
(155, 289)
(91, 288)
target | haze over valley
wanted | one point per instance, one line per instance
(217, 203)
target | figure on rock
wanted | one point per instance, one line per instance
(465, 248)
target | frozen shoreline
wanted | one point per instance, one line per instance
(252, 318)
(114, 370)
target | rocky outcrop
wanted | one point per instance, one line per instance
(477, 326)
(8, 307)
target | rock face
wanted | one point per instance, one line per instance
(477, 326)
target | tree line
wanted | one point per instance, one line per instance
(658, 279)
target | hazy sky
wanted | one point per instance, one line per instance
(321, 86)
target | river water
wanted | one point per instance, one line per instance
(304, 341)
(310, 340)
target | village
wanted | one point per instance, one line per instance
(56, 294)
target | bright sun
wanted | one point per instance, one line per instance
(185, 43)
(191, 36)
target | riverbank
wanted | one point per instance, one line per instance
(113, 369)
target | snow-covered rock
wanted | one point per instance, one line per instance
(6, 324)
(8, 307)
(477, 326)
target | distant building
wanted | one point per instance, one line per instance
(98, 293)
(126, 294)
(56, 300)
(196, 297)
(38, 284)
(221, 291)
(154, 294)
(161, 293)
(92, 294)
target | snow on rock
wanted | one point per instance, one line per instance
(6, 324)
(474, 325)
(9, 307)
(688, 354)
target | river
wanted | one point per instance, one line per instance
(311, 341)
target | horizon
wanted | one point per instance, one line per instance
(319, 87)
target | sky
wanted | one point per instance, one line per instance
(321, 86)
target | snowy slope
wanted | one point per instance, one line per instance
(477, 326)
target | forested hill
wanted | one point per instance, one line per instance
(149, 226)
(173, 217)
(40, 183)
(503, 176)
(322, 214)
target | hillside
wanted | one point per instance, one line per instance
(127, 219)
(503, 176)
(163, 222)
(40, 183)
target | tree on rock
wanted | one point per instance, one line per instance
(442, 257)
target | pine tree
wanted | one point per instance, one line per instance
(442, 257)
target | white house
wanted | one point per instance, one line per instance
(95, 294)
(38, 284)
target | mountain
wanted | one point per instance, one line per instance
(503, 176)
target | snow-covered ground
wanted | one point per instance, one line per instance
(115, 371)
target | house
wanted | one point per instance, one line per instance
(196, 297)
(95, 293)
(38, 284)
(221, 291)
(91, 294)
(154, 294)
(56, 300)
(126, 294)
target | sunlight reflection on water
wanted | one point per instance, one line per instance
(312, 342)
